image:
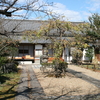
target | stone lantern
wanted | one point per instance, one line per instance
(44, 57)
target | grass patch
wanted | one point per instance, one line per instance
(8, 85)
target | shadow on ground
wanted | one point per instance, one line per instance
(26, 93)
(3, 79)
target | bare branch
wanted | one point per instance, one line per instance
(3, 12)
(11, 5)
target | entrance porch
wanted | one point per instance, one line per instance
(29, 53)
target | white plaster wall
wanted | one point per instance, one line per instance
(25, 62)
(84, 55)
(70, 58)
(63, 56)
(67, 57)
(38, 53)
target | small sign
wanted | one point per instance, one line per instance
(38, 46)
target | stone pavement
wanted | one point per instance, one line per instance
(30, 88)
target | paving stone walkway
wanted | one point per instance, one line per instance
(30, 88)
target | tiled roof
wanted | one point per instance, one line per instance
(30, 25)
(22, 25)
(21, 39)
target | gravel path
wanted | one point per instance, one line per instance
(87, 72)
(85, 77)
(30, 88)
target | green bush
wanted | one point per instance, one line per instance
(59, 67)
(89, 53)
(3, 60)
(77, 55)
(7, 65)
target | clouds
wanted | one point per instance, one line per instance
(70, 15)
(94, 5)
(73, 11)
(81, 14)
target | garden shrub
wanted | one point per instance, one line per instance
(89, 53)
(76, 55)
(59, 67)
(7, 65)
(3, 60)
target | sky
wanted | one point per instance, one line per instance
(76, 10)
(73, 10)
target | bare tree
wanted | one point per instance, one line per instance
(8, 7)
(12, 8)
